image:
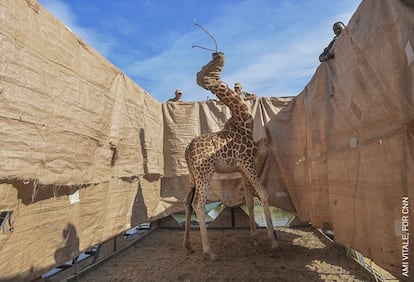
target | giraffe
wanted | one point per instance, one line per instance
(230, 150)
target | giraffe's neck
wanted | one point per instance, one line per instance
(227, 96)
(238, 107)
(209, 78)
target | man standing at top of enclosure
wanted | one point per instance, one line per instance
(327, 53)
(178, 96)
(244, 94)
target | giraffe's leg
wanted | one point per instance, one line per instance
(188, 202)
(199, 203)
(249, 170)
(201, 216)
(248, 195)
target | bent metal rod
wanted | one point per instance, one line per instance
(209, 34)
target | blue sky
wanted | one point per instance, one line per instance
(271, 46)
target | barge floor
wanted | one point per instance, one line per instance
(305, 255)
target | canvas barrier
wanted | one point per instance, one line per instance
(81, 159)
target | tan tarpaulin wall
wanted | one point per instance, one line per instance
(86, 153)
(81, 144)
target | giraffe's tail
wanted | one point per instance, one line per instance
(190, 198)
(190, 195)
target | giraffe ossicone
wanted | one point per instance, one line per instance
(230, 150)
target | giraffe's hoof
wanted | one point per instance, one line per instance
(188, 248)
(210, 256)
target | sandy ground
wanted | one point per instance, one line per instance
(305, 255)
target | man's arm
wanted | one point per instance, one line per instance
(327, 54)
(249, 96)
